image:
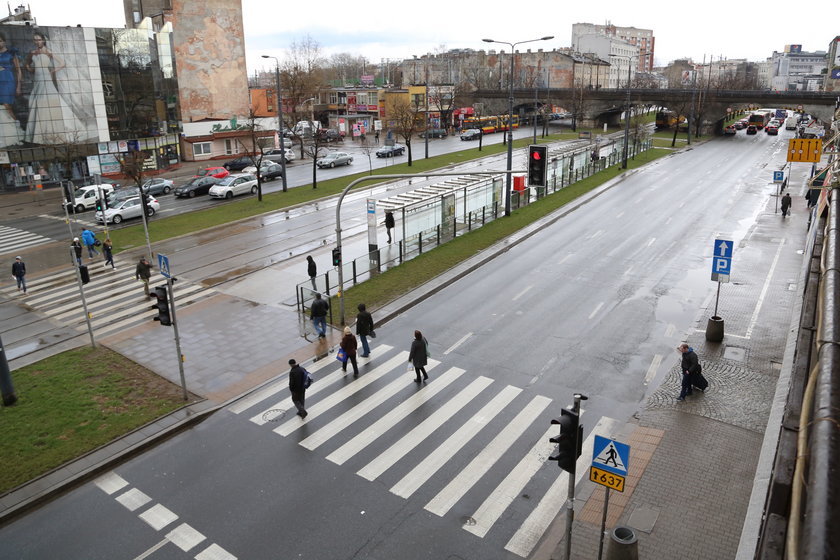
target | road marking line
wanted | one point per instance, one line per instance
(214, 552)
(522, 293)
(626, 272)
(764, 288)
(133, 499)
(158, 517)
(652, 369)
(423, 430)
(459, 343)
(597, 307)
(426, 468)
(484, 461)
(185, 537)
(564, 259)
(368, 436)
(152, 550)
(652, 240)
(536, 524)
(110, 482)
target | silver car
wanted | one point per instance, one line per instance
(125, 209)
(334, 158)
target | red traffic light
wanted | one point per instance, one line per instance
(536, 155)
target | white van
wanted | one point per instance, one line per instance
(302, 128)
(84, 198)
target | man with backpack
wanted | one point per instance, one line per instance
(691, 372)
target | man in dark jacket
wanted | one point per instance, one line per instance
(19, 272)
(318, 312)
(364, 328)
(143, 272)
(690, 366)
(297, 385)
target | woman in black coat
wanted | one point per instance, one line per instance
(349, 345)
(418, 355)
(312, 269)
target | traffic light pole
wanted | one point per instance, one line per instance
(570, 501)
(78, 267)
(177, 338)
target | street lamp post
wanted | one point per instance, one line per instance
(279, 118)
(510, 115)
(627, 110)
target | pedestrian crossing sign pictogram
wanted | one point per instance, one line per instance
(610, 455)
(163, 265)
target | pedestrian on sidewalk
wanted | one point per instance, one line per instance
(297, 385)
(19, 272)
(349, 345)
(318, 312)
(143, 272)
(786, 204)
(89, 239)
(364, 328)
(312, 269)
(77, 250)
(107, 250)
(389, 223)
(419, 355)
(690, 366)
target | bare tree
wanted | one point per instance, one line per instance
(404, 116)
(253, 148)
(302, 76)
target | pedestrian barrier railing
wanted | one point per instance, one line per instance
(568, 165)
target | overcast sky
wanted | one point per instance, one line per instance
(750, 29)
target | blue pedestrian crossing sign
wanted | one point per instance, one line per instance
(163, 265)
(610, 455)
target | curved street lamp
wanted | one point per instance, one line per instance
(279, 117)
(510, 114)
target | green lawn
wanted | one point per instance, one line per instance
(72, 403)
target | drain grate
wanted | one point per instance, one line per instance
(273, 415)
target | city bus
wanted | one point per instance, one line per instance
(759, 119)
(490, 124)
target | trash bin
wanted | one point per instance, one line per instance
(623, 544)
(714, 329)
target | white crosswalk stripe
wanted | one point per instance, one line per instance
(497, 444)
(13, 240)
(114, 298)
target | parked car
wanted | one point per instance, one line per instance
(125, 209)
(158, 186)
(196, 186)
(772, 130)
(121, 194)
(471, 134)
(234, 185)
(334, 158)
(390, 151)
(330, 135)
(434, 133)
(84, 198)
(276, 155)
(217, 172)
(269, 170)
(752, 129)
(730, 130)
(238, 164)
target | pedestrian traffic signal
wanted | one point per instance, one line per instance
(336, 254)
(569, 441)
(162, 305)
(537, 165)
(101, 204)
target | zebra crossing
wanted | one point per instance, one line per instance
(114, 298)
(382, 403)
(14, 240)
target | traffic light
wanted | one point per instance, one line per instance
(162, 305)
(537, 165)
(569, 442)
(336, 254)
(101, 204)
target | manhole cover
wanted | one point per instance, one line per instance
(734, 353)
(273, 415)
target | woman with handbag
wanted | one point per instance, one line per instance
(418, 355)
(349, 345)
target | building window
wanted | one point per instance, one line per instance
(201, 149)
(230, 147)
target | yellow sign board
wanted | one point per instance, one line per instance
(608, 479)
(805, 149)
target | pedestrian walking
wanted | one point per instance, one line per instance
(298, 382)
(690, 366)
(89, 240)
(389, 223)
(364, 328)
(418, 357)
(19, 272)
(786, 201)
(349, 345)
(107, 250)
(312, 269)
(77, 250)
(143, 272)
(318, 312)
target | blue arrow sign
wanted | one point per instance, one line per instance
(163, 265)
(610, 455)
(723, 248)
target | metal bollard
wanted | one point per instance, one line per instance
(623, 544)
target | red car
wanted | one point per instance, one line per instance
(729, 130)
(217, 172)
(773, 130)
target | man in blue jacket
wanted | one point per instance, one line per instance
(89, 239)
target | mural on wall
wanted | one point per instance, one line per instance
(45, 87)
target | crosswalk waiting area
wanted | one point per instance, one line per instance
(115, 299)
(502, 442)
